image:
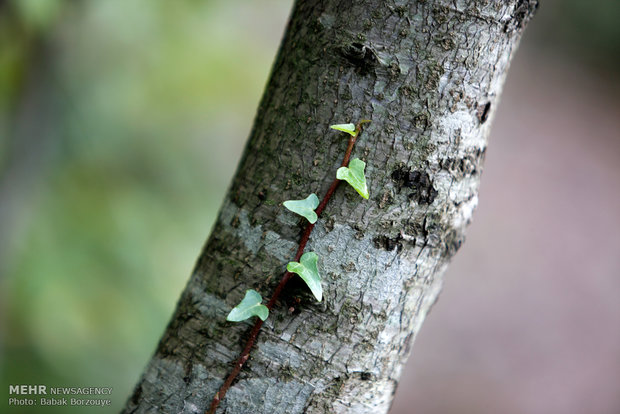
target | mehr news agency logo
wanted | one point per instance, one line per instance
(23, 395)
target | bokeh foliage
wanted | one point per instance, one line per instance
(139, 119)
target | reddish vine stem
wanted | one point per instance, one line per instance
(245, 354)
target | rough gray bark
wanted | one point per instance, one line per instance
(428, 75)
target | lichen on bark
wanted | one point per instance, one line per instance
(422, 71)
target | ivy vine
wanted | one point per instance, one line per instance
(305, 265)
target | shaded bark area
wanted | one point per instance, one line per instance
(428, 74)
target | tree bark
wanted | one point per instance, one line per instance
(428, 74)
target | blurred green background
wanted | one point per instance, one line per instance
(121, 124)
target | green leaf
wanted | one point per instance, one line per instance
(348, 128)
(249, 306)
(354, 175)
(304, 208)
(307, 270)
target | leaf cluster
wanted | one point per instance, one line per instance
(307, 267)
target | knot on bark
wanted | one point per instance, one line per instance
(524, 10)
(482, 112)
(360, 55)
(419, 181)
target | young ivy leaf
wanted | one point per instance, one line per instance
(348, 128)
(304, 208)
(354, 175)
(307, 270)
(249, 306)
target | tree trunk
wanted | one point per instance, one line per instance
(428, 74)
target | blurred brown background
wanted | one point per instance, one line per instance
(121, 124)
